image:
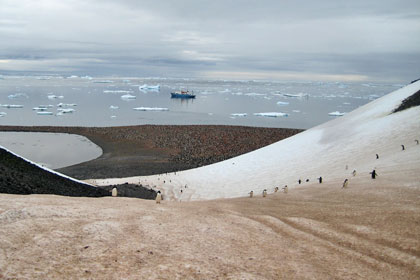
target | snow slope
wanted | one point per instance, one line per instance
(332, 150)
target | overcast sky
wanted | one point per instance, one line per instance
(243, 39)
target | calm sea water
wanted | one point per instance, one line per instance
(98, 102)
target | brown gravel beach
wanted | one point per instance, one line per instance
(154, 149)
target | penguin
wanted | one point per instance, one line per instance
(403, 148)
(158, 197)
(345, 183)
(251, 194)
(264, 193)
(285, 189)
(377, 156)
(417, 141)
(320, 179)
(114, 192)
(276, 189)
(374, 174)
(354, 172)
(300, 181)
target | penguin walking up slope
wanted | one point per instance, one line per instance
(158, 197)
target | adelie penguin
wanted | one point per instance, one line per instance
(158, 197)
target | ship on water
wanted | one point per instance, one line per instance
(182, 94)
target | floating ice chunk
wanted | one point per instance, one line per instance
(87, 77)
(103, 82)
(282, 103)
(65, 111)
(66, 104)
(210, 114)
(296, 111)
(271, 114)
(336, 114)
(44, 113)
(146, 87)
(53, 96)
(346, 103)
(299, 95)
(150, 109)
(128, 97)
(112, 107)
(40, 109)
(17, 95)
(73, 77)
(237, 93)
(118, 91)
(239, 114)
(113, 117)
(11, 106)
(2, 114)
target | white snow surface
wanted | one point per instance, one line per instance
(331, 150)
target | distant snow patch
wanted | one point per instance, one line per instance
(336, 114)
(239, 114)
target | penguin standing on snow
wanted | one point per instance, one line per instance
(320, 179)
(276, 189)
(251, 194)
(373, 174)
(402, 147)
(345, 184)
(158, 197)
(114, 192)
(285, 189)
(264, 193)
(377, 156)
(417, 141)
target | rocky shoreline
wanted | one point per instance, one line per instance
(154, 149)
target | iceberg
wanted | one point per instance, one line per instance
(2, 114)
(66, 111)
(103, 82)
(128, 97)
(282, 103)
(271, 114)
(299, 95)
(44, 113)
(11, 106)
(118, 91)
(52, 96)
(239, 114)
(39, 109)
(150, 109)
(17, 95)
(66, 105)
(336, 114)
(146, 87)
(112, 107)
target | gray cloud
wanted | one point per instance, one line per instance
(371, 39)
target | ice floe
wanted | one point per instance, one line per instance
(128, 97)
(271, 114)
(336, 114)
(282, 103)
(150, 109)
(118, 91)
(66, 104)
(146, 87)
(65, 111)
(2, 114)
(44, 113)
(53, 96)
(103, 82)
(298, 95)
(11, 106)
(112, 107)
(113, 117)
(239, 114)
(17, 95)
(39, 109)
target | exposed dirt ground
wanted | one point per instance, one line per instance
(155, 149)
(371, 230)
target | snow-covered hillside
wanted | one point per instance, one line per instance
(332, 150)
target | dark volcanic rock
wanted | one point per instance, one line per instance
(18, 176)
(411, 101)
